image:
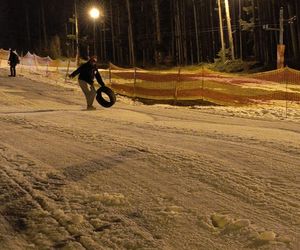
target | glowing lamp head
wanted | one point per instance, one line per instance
(94, 13)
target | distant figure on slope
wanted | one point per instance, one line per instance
(13, 60)
(87, 72)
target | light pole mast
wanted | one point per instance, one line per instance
(94, 14)
(280, 46)
(95, 52)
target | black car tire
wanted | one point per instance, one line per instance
(102, 101)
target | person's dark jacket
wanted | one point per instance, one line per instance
(13, 59)
(87, 72)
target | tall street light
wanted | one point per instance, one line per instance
(94, 14)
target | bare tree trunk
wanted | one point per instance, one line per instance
(212, 28)
(261, 49)
(196, 31)
(256, 53)
(234, 32)
(191, 47)
(76, 34)
(27, 26)
(104, 42)
(298, 21)
(183, 32)
(158, 32)
(223, 56)
(104, 34)
(177, 33)
(44, 25)
(112, 32)
(68, 46)
(130, 35)
(229, 29)
(120, 49)
(173, 39)
(40, 31)
(240, 29)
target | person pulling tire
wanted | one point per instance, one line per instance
(87, 72)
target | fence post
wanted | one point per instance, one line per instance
(47, 68)
(21, 65)
(176, 86)
(35, 62)
(68, 67)
(286, 92)
(109, 74)
(134, 83)
(202, 83)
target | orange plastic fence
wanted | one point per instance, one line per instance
(271, 87)
(36, 62)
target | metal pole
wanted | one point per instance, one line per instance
(95, 37)
(281, 26)
(281, 46)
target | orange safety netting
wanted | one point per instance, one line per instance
(207, 85)
(37, 63)
(272, 87)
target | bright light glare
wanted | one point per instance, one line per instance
(94, 13)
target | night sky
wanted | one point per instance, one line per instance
(14, 28)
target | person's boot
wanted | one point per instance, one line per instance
(91, 108)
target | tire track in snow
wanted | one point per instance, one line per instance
(39, 213)
(230, 178)
(200, 167)
(35, 188)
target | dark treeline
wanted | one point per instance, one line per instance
(183, 32)
(163, 32)
(34, 25)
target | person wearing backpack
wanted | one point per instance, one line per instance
(13, 60)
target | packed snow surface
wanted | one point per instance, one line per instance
(143, 177)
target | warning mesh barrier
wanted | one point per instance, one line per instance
(39, 65)
(278, 87)
(273, 87)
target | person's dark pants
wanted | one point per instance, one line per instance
(89, 92)
(12, 70)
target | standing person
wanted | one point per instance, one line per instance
(87, 72)
(13, 60)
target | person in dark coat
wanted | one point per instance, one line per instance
(87, 73)
(13, 60)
